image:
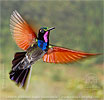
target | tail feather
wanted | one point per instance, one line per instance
(19, 54)
(17, 58)
(25, 78)
(16, 61)
(20, 76)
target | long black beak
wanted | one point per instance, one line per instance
(51, 28)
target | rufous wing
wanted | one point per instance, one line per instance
(22, 33)
(63, 55)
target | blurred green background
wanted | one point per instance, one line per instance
(79, 26)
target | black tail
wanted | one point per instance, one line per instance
(19, 76)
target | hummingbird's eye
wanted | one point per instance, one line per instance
(41, 31)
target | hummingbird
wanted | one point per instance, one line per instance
(36, 46)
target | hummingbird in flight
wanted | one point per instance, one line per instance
(36, 46)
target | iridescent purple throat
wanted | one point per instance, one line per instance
(46, 37)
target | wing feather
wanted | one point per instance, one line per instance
(63, 55)
(22, 33)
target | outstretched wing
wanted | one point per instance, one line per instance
(22, 33)
(63, 55)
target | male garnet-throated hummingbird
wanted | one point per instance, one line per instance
(36, 47)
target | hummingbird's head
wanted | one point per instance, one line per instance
(43, 33)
